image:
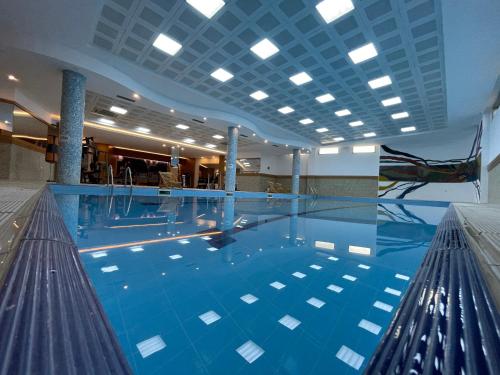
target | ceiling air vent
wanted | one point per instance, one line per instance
(125, 98)
(276, 146)
(198, 121)
(243, 135)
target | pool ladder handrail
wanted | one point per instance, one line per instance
(128, 172)
(109, 171)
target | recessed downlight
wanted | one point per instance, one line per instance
(408, 129)
(300, 78)
(363, 53)
(330, 10)
(222, 75)
(322, 130)
(207, 7)
(286, 110)
(264, 49)
(210, 145)
(259, 95)
(356, 123)
(342, 113)
(142, 129)
(119, 110)
(182, 126)
(391, 101)
(13, 78)
(306, 121)
(166, 44)
(369, 135)
(380, 82)
(217, 136)
(189, 140)
(106, 121)
(325, 98)
(400, 115)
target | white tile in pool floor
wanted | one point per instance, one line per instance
(382, 306)
(151, 346)
(364, 266)
(184, 242)
(289, 322)
(212, 249)
(333, 258)
(349, 277)
(394, 292)
(369, 326)
(299, 275)
(109, 269)
(249, 298)
(277, 285)
(250, 351)
(209, 317)
(175, 256)
(334, 288)
(206, 238)
(350, 357)
(402, 277)
(136, 249)
(315, 302)
(315, 267)
(99, 254)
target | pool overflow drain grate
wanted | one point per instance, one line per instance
(447, 322)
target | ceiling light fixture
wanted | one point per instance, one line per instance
(12, 77)
(172, 110)
(217, 136)
(391, 101)
(380, 82)
(222, 75)
(210, 145)
(264, 49)
(363, 53)
(265, 140)
(182, 126)
(338, 139)
(119, 110)
(306, 121)
(189, 140)
(106, 121)
(207, 7)
(400, 115)
(204, 119)
(167, 44)
(300, 78)
(325, 98)
(142, 129)
(356, 123)
(408, 129)
(136, 96)
(286, 110)
(259, 95)
(331, 10)
(369, 135)
(322, 130)
(342, 113)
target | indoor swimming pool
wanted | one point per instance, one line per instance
(203, 285)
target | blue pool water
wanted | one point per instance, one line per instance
(248, 286)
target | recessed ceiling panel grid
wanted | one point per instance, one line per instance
(407, 36)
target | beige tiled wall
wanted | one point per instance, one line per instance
(23, 164)
(494, 185)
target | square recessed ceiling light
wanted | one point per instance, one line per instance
(106, 121)
(264, 49)
(322, 130)
(189, 140)
(331, 10)
(369, 135)
(300, 78)
(400, 115)
(325, 98)
(408, 129)
(119, 110)
(380, 82)
(259, 95)
(182, 126)
(306, 121)
(217, 136)
(222, 75)
(343, 112)
(363, 53)
(142, 129)
(286, 110)
(207, 7)
(210, 145)
(339, 139)
(167, 44)
(391, 101)
(356, 123)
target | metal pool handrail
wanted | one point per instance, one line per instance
(128, 172)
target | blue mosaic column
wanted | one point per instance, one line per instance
(296, 171)
(71, 128)
(232, 150)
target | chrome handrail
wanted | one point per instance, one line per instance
(109, 171)
(128, 172)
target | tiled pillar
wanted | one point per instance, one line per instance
(222, 167)
(196, 172)
(296, 171)
(71, 127)
(232, 150)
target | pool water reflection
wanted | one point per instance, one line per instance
(235, 286)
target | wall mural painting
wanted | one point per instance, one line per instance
(401, 173)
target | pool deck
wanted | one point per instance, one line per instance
(482, 228)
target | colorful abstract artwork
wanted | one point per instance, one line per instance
(402, 173)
